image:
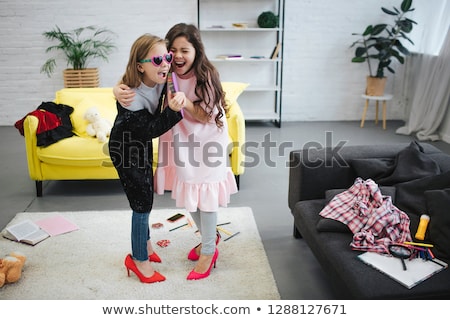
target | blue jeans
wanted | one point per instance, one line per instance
(140, 234)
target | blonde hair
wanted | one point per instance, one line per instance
(140, 48)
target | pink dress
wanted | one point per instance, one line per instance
(193, 160)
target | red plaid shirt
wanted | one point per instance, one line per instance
(373, 219)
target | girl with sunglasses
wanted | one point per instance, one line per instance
(192, 156)
(130, 144)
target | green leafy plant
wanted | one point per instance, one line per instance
(382, 41)
(78, 50)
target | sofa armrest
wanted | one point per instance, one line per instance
(29, 129)
(236, 131)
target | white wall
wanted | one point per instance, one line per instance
(22, 46)
(320, 82)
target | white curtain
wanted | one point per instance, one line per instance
(429, 83)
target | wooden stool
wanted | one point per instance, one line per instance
(384, 98)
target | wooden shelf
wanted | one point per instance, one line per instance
(262, 98)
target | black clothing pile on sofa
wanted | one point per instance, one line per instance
(416, 176)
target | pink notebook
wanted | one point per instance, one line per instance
(56, 225)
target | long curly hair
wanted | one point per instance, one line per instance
(208, 87)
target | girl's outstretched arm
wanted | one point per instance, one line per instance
(123, 94)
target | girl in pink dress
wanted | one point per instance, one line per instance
(193, 155)
(198, 172)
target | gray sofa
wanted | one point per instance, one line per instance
(408, 172)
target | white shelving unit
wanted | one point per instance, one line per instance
(262, 98)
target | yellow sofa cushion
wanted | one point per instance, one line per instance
(82, 99)
(76, 151)
(72, 96)
(104, 105)
(232, 91)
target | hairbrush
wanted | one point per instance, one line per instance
(172, 82)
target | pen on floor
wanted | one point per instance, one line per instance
(430, 253)
(178, 227)
(222, 224)
(416, 248)
(224, 231)
(234, 234)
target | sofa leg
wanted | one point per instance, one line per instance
(237, 180)
(39, 188)
(296, 233)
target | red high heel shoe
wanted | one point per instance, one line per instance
(193, 256)
(131, 265)
(154, 258)
(197, 276)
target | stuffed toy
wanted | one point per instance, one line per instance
(11, 268)
(98, 126)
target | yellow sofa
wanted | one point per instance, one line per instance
(82, 157)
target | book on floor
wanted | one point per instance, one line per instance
(26, 231)
(417, 269)
(33, 232)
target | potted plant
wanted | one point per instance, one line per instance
(78, 52)
(381, 44)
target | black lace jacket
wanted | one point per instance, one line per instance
(131, 151)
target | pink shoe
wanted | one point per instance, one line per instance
(197, 276)
(193, 256)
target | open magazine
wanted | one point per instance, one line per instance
(26, 231)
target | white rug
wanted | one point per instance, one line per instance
(88, 263)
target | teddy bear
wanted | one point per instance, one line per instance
(11, 268)
(97, 127)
